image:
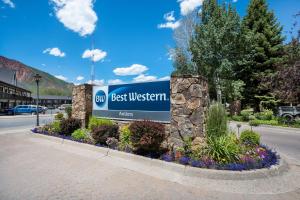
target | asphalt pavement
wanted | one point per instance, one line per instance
(26, 120)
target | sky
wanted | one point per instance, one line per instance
(131, 38)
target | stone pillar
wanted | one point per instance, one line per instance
(189, 102)
(82, 105)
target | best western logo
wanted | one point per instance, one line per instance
(100, 98)
(134, 96)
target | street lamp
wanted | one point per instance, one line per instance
(37, 79)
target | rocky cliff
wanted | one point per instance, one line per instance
(50, 85)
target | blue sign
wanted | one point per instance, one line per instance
(150, 100)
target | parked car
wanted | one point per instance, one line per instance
(289, 112)
(63, 106)
(21, 109)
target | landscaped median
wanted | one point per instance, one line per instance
(176, 171)
(219, 150)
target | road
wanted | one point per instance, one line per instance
(26, 120)
(285, 140)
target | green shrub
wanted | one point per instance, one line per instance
(94, 121)
(216, 121)
(266, 122)
(80, 134)
(124, 138)
(246, 114)
(265, 115)
(250, 137)
(297, 121)
(68, 126)
(252, 117)
(101, 133)
(56, 127)
(68, 110)
(254, 122)
(147, 136)
(223, 149)
(59, 116)
(237, 118)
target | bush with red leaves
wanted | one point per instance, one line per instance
(147, 136)
(102, 132)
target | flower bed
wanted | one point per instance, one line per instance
(265, 158)
(225, 152)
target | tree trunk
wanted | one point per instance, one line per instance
(235, 107)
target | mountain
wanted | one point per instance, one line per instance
(49, 85)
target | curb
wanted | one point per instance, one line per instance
(181, 170)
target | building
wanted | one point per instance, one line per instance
(52, 101)
(10, 93)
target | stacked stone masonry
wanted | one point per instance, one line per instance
(189, 102)
(82, 103)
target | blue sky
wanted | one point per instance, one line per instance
(56, 35)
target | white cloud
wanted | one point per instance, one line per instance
(95, 54)
(144, 78)
(76, 15)
(171, 25)
(55, 52)
(165, 78)
(97, 82)
(134, 69)
(9, 2)
(115, 82)
(170, 21)
(61, 77)
(169, 16)
(187, 6)
(79, 78)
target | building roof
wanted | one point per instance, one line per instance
(53, 97)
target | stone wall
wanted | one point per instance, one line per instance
(189, 102)
(82, 104)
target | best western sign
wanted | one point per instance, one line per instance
(149, 100)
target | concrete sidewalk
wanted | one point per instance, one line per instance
(35, 168)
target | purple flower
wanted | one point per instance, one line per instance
(208, 162)
(184, 160)
(167, 157)
(197, 163)
(35, 130)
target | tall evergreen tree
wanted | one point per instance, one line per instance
(215, 44)
(265, 51)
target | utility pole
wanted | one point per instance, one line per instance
(93, 63)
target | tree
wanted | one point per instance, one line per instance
(287, 84)
(214, 46)
(181, 64)
(185, 32)
(260, 29)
